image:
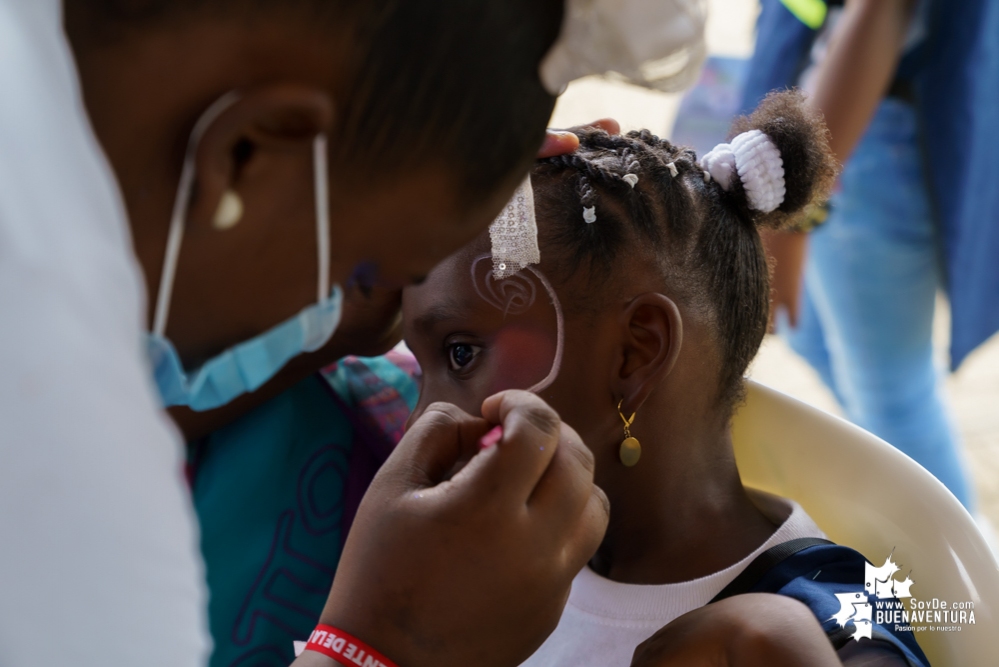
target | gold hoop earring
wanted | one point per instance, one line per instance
(630, 450)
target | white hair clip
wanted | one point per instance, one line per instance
(590, 214)
(630, 179)
(756, 159)
(514, 234)
(672, 169)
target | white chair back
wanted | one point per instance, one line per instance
(868, 495)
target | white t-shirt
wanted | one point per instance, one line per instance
(604, 621)
(98, 545)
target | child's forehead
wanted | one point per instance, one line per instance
(462, 288)
(456, 270)
(447, 289)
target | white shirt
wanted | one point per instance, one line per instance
(604, 621)
(98, 546)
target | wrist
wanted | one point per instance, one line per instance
(305, 658)
(344, 649)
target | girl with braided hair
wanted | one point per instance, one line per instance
(660, 288)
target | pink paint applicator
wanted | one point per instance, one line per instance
(491, 438)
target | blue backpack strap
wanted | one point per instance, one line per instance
(813, 571)
(766, 561)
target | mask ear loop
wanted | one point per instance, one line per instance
(179, 217)
(322, 183)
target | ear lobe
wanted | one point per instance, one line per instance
(279, 117)
(653, 335)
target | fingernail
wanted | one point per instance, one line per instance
(491, 438)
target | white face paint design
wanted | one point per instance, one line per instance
(514, 295)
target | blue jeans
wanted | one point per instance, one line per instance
(866, 318)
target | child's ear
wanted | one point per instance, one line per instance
(253, 145)
(652, 333)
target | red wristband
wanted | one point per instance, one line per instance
(344, 648)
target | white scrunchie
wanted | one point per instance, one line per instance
(757, 160)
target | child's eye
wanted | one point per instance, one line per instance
(461, 355)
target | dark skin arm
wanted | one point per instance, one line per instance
(850, 82)
(755, 630)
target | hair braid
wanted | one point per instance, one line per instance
(587, 195)
(590, 173)
(630, 163)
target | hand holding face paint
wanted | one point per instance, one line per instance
(560, 142)
(474, 569)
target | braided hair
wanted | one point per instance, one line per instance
(705, 240)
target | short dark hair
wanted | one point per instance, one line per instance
(425, 77)
(706, 240)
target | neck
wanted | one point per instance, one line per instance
(682, 512)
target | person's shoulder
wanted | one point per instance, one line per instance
(377, 393)
(359, 380)
(830, 580)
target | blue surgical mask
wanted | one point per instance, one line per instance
(247, 366)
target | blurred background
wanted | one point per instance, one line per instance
(972, 392)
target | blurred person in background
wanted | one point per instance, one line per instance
(908, 91)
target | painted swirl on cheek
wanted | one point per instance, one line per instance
(515, 295)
